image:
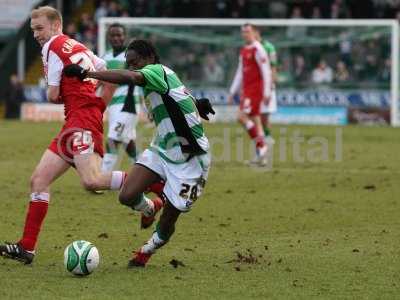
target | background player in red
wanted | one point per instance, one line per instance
(253, 80)
(79, 143)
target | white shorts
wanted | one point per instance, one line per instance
(121, 124)
(184, 182)
(272, 105)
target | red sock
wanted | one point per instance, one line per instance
(156, 188)
(260, 141)
(253, 133)
(36, 213)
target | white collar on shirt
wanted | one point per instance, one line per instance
(46, 46)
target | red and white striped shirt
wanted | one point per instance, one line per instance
(253, 76)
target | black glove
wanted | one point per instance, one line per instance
(204, 107)
(75, 70)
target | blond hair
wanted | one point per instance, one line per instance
(49, 12)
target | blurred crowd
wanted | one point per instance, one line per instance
(250, 8)
(343, 63)
(360, 63)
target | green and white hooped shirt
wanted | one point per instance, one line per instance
(271, 51)
(179, 133)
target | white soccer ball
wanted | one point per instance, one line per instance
(81, 258)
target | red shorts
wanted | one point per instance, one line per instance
(81, 134)
(250, 106)
(73, 141)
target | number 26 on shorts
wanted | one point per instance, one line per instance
(82, 142)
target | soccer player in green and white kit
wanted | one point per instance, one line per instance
(124, 106)
(179, 153)
(271, 106)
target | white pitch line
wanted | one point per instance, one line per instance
(326, 170)
(344, 171)
(353, 171)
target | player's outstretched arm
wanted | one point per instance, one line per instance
(118, 76)
(112, 76)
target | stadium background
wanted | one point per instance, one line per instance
(325, 229)
(356, 65)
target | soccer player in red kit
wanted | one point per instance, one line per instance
(80, 141)
(253, 80)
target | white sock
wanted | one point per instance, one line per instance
(146, 206)
(117, 180)
(40, 197)
(249, 124)
(152, 244)
(109, 161)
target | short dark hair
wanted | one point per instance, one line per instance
(145, 49)
(117, 25)
(254, 27)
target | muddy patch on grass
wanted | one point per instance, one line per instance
(103, 235)
(176, 263)
(246, 258)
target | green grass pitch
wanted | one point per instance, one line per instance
(301, 230)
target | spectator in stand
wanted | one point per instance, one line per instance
(124, 13)
(86, 23)
(101, 11)
(371, 68)
(212, 71)
(339, 10)
(322, 73)
(14, 97)
(334, 11)
(42, 84)
(316, 13)
(222, 8)
(342, 74)
(345, 47)
(139, 8)
(89, 39)
(114, 9)
(296, 32)
(296, 13)
(398, 16)
(240, 9)
(284, 73)
(193, 73)
(277, 9)
(384, 74)
(299, 69)
(70, 30)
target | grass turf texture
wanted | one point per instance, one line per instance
(326, 230)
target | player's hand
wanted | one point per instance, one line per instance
(204, 107)
(75, 70)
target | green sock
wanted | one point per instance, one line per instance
(164, 236)
(140, 203)
(131, 151)
(267, 131)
